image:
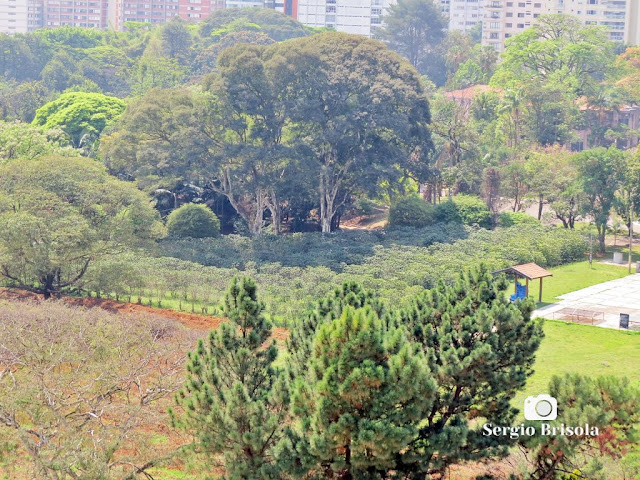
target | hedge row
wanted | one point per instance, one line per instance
(397, 269)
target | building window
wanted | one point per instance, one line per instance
(509, 14)
(331, 9)
(509, 25)
(494, 36)
(521, 15)
(495, 25)
(520, 25)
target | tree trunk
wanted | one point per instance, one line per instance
(275, 208)
(253, 215)
(540, 204)
(602, 229)
(47, 285)
(335, 221)
(327, 199)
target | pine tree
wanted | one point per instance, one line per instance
(235, 401)
(360, 404)
(300, 341)
(481, 349)
(610, 404)
(478, 347)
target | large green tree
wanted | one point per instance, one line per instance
(367, 390)
(600, 172)
(59, 215)
(251, 169)
(415, 29)
(235, 401)
(359, 114)
(82, 116)
(559, 48)
(547, 70)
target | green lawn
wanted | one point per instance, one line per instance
(573, 348)
(574, 276)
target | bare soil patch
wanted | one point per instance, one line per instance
(190, 320)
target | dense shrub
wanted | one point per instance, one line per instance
(411, 212)
(509, 219)
(193, 221)
(447, 212)
(334, 251)
(472, 210)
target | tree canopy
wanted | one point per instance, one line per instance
(60, 214)
(82, 116)
(261, 121)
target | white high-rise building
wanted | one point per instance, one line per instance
(20, 16)
(464, 14)
(351, 16)
(503, 19)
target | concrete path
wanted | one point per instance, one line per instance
(608, 300)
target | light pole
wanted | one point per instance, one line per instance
(630, 233)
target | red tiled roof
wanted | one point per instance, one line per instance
(530, 271)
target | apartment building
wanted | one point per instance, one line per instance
(361, 17)
(464, 14)
(503, 19)
(75, 13)
(20, 16)
(352, 16)
(160, 11)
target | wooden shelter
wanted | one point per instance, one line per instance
(528, 271)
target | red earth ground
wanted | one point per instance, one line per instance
(189, 320)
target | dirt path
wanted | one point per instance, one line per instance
(189, 320)
(375, 221)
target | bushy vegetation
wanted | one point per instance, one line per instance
(411, 211)
(193, 221)
(306, 249)
(509, 219)
(472, 210)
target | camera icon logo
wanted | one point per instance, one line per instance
(540, 407)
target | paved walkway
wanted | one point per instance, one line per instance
(607, 300)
